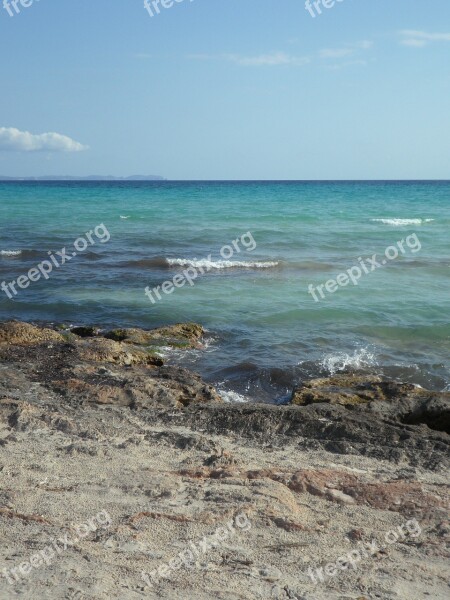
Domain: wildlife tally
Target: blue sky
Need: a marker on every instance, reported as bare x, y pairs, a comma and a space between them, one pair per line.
226, 89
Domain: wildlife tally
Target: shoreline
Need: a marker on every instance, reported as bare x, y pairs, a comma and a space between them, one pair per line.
95, 421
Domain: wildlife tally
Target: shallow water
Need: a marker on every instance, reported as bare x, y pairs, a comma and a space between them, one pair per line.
265, 330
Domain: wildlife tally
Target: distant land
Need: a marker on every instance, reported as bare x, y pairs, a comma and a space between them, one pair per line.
88, 178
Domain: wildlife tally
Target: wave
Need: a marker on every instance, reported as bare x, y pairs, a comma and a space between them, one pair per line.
361, 358
124, 216
232, 397
220, 264
147, 262
90, 255
402, 222
311, 265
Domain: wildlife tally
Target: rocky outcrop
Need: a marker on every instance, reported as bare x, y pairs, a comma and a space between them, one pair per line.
182, 335
386, 400
332, 428
18, 333
349, 390
83, 366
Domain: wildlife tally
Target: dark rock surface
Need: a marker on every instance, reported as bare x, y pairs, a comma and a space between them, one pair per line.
403, 402
328, 427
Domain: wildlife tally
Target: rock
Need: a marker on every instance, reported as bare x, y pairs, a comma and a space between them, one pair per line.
432, 410
356, 535
331, 427
182, 335
349, 390
18, 333
103, 350
85, 332
77, 368
389, 400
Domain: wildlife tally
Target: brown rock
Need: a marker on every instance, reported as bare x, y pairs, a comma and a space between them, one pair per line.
101, 350
349, 390
15, 332
182, 335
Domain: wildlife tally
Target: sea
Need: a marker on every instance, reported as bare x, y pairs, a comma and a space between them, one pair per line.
291, 280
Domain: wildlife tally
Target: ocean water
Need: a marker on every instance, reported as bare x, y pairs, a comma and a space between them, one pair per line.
266, 332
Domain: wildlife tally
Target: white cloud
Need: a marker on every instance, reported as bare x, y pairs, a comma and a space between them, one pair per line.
202, 57
419, 39
350, 63
364, 44
13, 139
335, 52
273, 59
414, 43
347, 50
268, 60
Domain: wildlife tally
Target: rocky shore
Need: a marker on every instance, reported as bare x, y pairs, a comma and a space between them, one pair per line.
135, 462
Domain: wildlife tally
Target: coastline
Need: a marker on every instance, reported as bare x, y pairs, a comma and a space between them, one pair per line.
349, 460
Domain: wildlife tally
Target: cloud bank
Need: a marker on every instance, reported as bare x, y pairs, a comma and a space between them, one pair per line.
273, 59
268, 60
14, 140
419, 39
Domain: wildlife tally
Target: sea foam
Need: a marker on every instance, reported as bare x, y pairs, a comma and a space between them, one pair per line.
232, 397
220, 264
402, 222
341, 361
10, 252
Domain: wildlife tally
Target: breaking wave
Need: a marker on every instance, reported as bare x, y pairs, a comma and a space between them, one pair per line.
220, 264
232, 397
402, 222
361, 358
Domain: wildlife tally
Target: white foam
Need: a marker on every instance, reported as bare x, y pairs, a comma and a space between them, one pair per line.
341, 361
124, 217
402, 222
232, 397
208, 344
220, 264
10, 252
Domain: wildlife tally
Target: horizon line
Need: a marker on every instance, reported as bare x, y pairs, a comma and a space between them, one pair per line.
108, 179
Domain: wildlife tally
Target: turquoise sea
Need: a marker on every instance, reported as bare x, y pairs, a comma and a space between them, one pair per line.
265, 330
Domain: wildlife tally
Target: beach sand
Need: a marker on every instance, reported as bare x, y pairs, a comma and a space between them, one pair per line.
129, 481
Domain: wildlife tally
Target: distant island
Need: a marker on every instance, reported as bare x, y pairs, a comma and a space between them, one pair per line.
88, 178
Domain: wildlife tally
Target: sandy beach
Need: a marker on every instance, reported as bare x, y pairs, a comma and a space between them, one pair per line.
110, 489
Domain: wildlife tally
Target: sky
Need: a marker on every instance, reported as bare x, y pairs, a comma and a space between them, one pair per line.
226, 89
